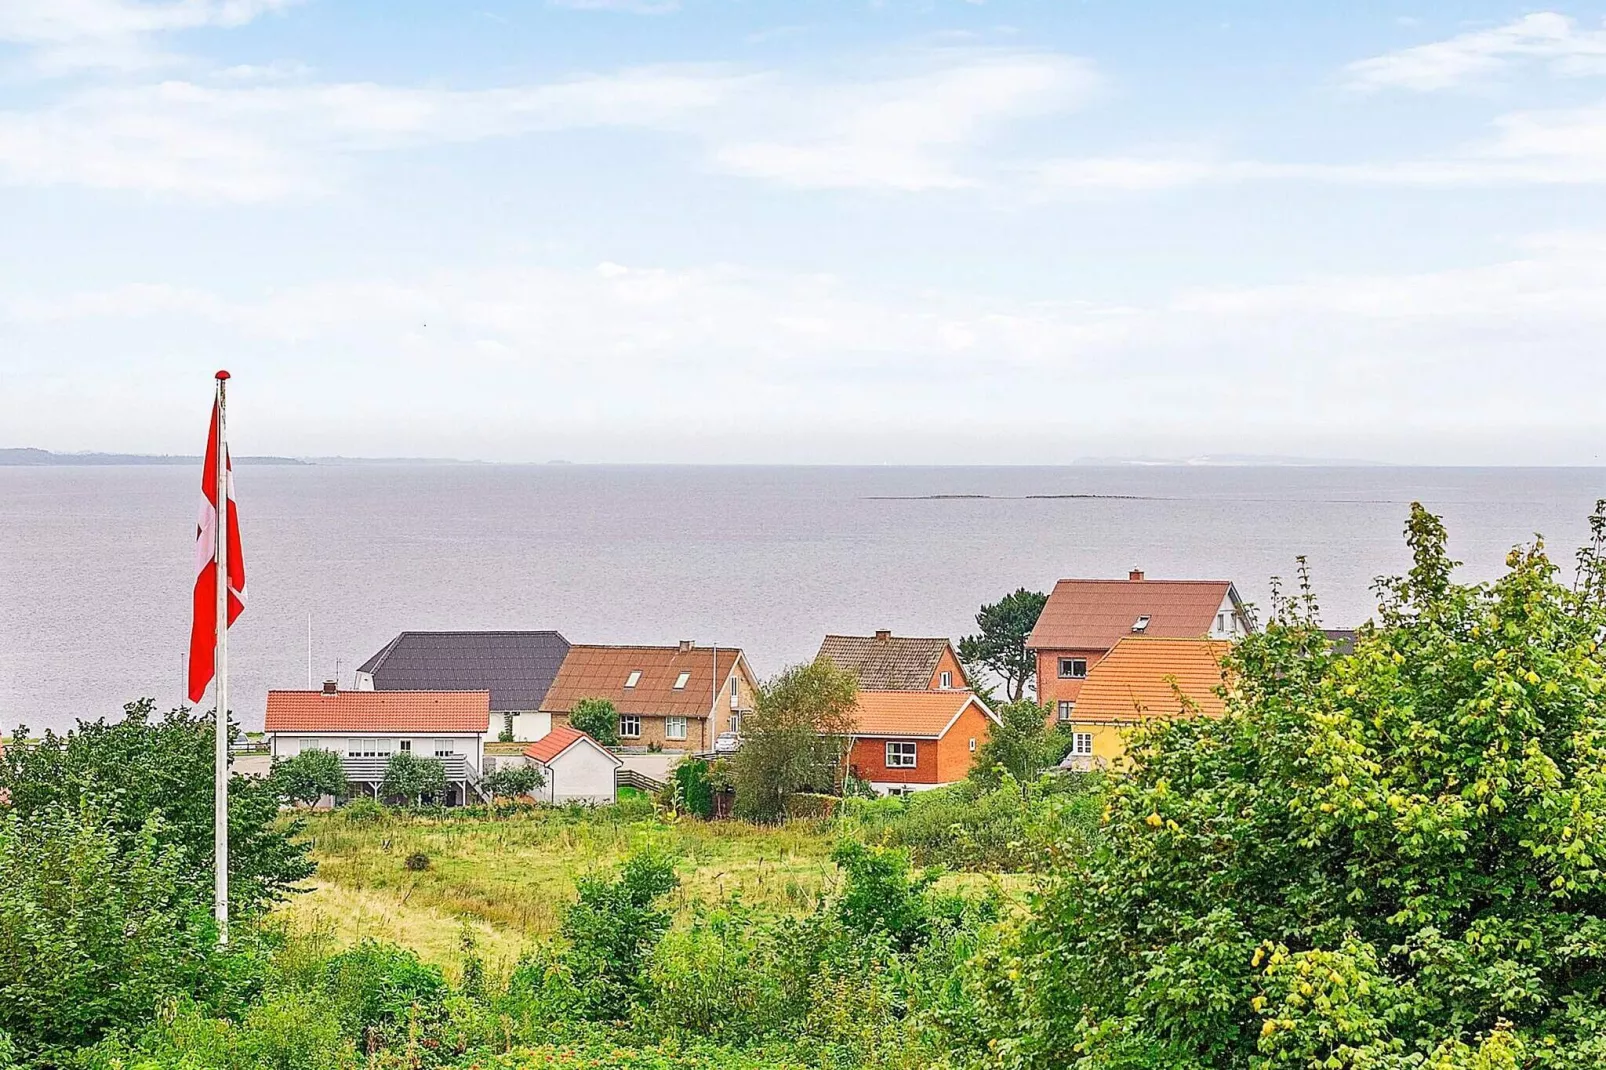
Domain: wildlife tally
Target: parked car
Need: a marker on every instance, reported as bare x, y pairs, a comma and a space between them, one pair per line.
727, 743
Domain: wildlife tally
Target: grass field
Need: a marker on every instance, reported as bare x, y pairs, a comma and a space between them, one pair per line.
508, 879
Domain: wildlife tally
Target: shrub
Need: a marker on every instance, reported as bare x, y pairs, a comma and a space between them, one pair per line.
417, 862
714, 979
409, 776
879, 895
374, 985
597, 718
611, 929
364, 811
807, 804
512, 781
694, 789
795, 738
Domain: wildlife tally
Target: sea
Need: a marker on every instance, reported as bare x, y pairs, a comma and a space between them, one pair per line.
96, 562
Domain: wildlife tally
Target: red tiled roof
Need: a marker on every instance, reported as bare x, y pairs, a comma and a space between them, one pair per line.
378, 711
1134, 680
1095, 614
912, 714
560, 739
603, 671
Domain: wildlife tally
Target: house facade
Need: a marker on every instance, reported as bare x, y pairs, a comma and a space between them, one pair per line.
516, 667
915, 740
677, 698
366, 727
1141, 679
574, 767
887, 662
1083, 621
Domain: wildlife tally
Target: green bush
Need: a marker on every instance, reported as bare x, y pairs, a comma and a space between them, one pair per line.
613, 927
694, 790
375, 985
810, 805
309, 776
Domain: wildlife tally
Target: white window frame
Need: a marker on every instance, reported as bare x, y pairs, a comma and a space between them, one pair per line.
680, 681
973, 746
1141, 625
736, 722
1082, 744
1064, 709
629, 726
1073, 663
674, 728
946, 680
404, 746
633, 679
905, 759
444, 748
735, 698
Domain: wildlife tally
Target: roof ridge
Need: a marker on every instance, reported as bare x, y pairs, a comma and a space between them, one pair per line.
1136, 583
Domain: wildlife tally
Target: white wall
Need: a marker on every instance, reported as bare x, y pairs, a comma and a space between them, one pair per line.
580, 774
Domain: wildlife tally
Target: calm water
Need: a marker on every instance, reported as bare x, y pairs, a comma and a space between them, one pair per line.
95, 562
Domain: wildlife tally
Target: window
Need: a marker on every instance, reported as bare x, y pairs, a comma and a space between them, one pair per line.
1082, 744
674, 728
736, 723
634, 678
947, 679
1073, 668
406, 746
1065, 710
1140, 625
900, 755
443, 748
973, 746
629, 726
680, 681
735, 699
1221, 622
370, 748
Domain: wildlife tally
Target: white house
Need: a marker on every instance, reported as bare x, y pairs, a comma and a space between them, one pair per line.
366, 727
576, 767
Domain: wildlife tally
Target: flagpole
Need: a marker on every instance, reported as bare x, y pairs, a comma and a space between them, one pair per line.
220, 792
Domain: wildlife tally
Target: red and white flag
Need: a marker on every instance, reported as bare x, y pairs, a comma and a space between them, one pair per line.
203, 634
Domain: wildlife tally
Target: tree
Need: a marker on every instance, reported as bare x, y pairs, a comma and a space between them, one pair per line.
597, 718
1021, 744
135, 768
512, 781
1386, 859
1001, 645
309, 776
795, 738
694, 787
99, 927
410, 777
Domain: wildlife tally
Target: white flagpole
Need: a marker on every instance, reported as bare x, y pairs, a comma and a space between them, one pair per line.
220, 812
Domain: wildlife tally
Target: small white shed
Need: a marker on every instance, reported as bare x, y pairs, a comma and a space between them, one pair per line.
576, 767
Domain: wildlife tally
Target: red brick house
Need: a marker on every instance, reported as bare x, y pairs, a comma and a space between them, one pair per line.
913, 740
1084, 619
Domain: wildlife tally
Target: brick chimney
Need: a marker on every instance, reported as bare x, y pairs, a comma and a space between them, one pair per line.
330, 687
685, 646
883, 635
1136, 575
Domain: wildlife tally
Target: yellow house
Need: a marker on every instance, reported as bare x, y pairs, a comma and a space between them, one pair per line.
1142, 679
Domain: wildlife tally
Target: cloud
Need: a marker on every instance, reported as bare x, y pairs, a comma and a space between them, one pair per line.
233, 140
729, 350
71, 35
1544, 37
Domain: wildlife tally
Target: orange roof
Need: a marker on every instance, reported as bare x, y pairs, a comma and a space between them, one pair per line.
1134, 680
378, 711
913, 714
1096, 614
603, 672
560, 739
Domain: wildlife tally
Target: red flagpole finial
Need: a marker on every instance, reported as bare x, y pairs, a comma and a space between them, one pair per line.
221, 375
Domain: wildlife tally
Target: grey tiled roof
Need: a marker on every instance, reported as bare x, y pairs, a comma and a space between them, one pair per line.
517, 668
896, 663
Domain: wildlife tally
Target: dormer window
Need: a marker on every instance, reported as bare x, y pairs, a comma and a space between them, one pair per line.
633, 679
1140, 625
680, 681
946, 681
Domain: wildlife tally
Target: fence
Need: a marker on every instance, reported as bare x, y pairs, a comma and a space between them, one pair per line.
629, 778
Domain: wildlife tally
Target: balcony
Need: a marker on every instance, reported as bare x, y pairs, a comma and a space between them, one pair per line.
372, 770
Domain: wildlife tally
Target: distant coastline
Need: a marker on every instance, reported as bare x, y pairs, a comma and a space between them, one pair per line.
27, 457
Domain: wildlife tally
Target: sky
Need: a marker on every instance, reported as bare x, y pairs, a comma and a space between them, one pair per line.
753, 231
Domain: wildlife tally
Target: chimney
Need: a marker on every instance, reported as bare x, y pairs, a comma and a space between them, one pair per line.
330, 687
883, 635
685, 646
1136, 575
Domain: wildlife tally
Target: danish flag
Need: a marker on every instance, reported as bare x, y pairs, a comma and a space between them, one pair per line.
204, 632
